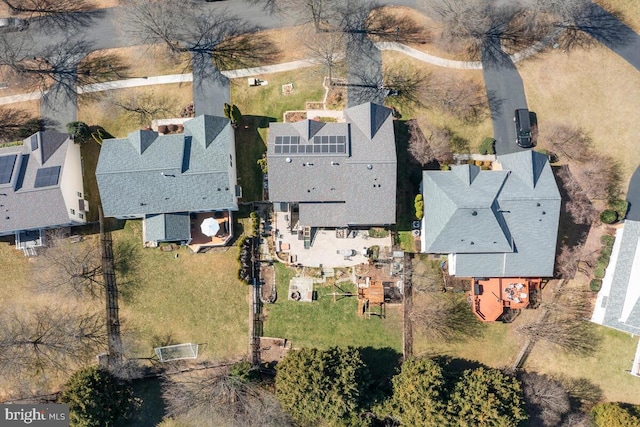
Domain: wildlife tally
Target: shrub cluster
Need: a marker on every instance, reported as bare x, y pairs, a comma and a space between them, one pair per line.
486, 146
418, 203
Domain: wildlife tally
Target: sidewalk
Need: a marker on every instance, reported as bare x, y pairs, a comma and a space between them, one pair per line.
276, 68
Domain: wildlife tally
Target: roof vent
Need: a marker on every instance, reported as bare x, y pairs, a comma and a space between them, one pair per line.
474, 213
369, 166
288, 160
335, 164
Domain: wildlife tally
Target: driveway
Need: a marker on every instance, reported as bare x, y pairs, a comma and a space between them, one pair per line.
211, 89
505, 92
633, 196
615, 35
57, 108
364, 65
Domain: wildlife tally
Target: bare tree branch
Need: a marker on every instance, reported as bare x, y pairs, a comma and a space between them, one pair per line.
65, 15
49, 338
227, 40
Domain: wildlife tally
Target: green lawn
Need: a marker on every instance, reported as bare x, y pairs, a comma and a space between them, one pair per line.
193, 298
250, 146
269, 100
607, 368
324, 323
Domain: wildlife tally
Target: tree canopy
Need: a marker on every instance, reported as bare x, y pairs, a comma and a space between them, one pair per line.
615, 415
97, 398
487, 397
419, 394
314, 384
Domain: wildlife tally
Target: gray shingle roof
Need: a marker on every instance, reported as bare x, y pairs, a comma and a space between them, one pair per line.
622, 309
334, 190
147, 173
171, 227
510, 215
24, 206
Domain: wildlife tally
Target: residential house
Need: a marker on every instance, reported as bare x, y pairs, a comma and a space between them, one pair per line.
493, 223
335, 175
173, 182
618, 302
40, 188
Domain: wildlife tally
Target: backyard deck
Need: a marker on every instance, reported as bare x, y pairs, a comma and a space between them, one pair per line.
200, 240
491, 296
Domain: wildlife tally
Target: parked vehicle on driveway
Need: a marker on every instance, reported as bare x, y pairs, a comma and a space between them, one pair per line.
523, 128
8, 25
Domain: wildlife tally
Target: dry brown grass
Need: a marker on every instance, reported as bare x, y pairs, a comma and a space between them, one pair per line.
287, 42
593, 89
120, 123
630, 10
433, 27
148, 60
472, 132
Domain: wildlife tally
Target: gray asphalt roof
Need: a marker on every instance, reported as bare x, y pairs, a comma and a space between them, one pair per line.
148, 173
622, 309
356, 188
499, 223
171, 227
24, 206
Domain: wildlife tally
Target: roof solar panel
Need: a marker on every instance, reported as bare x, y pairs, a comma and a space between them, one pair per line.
7, 164
46, 177
319, 144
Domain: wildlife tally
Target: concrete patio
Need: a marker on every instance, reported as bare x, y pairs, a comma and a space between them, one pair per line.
327, 250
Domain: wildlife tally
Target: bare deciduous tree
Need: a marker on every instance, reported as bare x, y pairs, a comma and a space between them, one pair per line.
327, 47
565, 325
569, 141
55, 14
217, 397
598, 182
49, 338
364, 18
57, 68
567, 262
145, 106
72, 269
445, 316
464, 99
578, 204
435, 145
482, 29
547, 399
207, 35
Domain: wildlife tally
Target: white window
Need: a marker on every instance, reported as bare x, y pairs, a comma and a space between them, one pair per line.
79, 194
73, 211
81, 216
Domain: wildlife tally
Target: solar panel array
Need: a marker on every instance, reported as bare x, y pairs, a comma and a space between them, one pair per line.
323, 145
6, 168
46, 177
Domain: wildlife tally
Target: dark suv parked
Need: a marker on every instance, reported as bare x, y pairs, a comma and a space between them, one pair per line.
523, 128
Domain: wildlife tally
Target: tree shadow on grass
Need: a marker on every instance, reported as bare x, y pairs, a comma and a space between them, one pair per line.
409, 176
152, 409
382, 364
250, 147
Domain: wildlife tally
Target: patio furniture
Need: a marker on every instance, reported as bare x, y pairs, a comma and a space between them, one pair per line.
519, 286
523, 295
